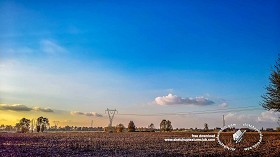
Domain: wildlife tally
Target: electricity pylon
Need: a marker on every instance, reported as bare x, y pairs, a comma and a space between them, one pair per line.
55, 124
111, 114
224, 123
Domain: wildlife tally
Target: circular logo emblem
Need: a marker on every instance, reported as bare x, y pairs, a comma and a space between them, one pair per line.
245, 136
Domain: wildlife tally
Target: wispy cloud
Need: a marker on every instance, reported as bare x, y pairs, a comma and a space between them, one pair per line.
269, 116
223, 105
16, 51
42, 109
46, 46
176, 100
5, 64
93, 114
20, 107
51, 47
233, 117
230, 116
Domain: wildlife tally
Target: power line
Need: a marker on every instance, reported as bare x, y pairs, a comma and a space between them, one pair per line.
196, 112
220, 109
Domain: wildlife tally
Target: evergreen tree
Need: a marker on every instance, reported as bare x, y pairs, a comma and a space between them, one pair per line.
151, 127
206, 127
131, 127
271, 100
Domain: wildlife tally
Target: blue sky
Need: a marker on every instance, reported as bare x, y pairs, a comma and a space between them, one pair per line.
90, 55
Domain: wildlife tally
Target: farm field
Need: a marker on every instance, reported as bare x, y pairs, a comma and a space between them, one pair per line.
128, 144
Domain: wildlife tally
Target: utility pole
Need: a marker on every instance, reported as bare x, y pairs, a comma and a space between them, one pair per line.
32, 125
111, 114
224, 123
91, 123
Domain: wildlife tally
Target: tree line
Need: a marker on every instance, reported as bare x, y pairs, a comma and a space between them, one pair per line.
165, 125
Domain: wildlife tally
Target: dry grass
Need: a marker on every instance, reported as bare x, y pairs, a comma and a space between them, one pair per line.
128, 144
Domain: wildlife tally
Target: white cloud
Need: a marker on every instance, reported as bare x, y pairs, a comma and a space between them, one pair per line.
93, 114
42, 109
76, 113
230, 116
176, 100
51, 47
223, 105
240, 118
269, 116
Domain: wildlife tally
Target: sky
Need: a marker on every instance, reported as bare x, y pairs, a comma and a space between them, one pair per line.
186, 61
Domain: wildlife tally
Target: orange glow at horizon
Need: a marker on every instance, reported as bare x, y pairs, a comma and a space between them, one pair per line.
13, 117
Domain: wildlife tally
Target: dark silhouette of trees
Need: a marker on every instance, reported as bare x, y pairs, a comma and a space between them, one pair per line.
165, 125
131, 126
206, 127
120, 128
271, 99
151, 127
23, 125
42, 123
